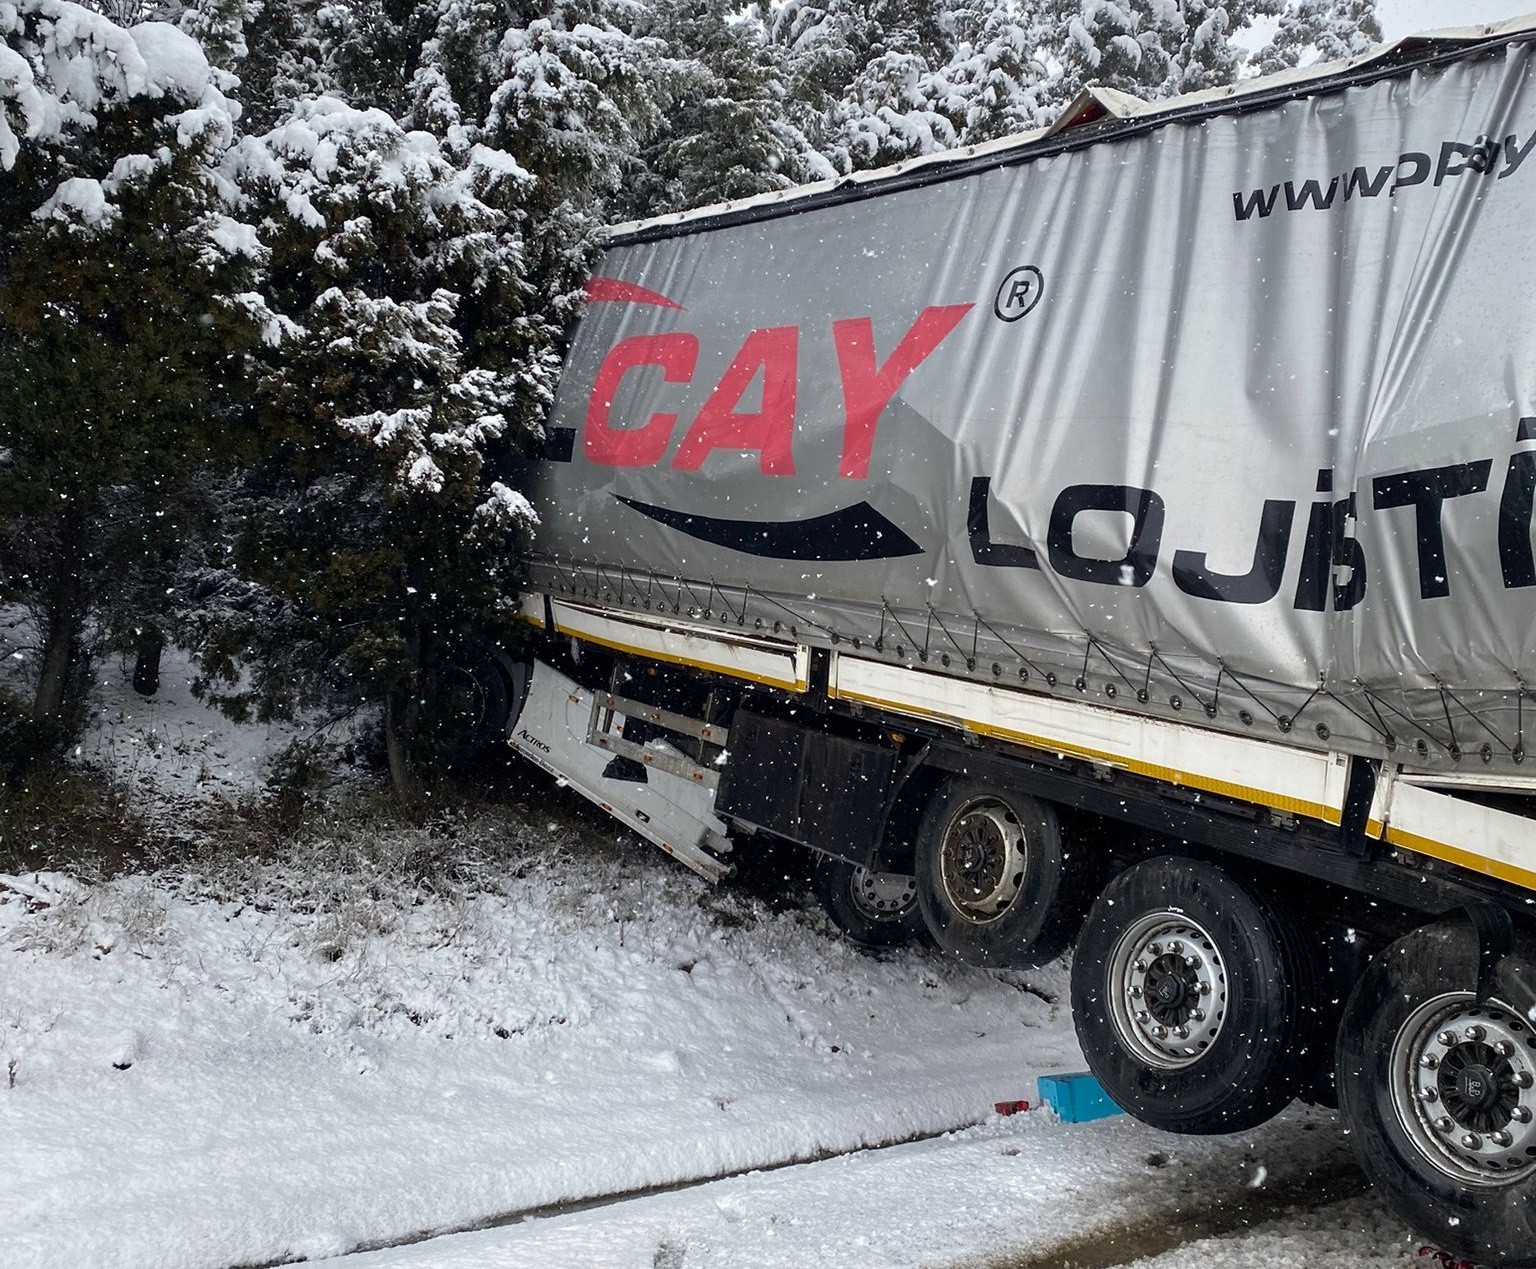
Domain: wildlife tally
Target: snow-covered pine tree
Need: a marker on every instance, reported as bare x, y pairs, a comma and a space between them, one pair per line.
1129, 45
423, 269
285, 59
1312, 31
404, 351
856, 73
1209, 55
1158, 48
120, 272
723, 132
997, 80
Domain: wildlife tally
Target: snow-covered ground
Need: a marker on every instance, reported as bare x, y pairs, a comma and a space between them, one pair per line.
283, 1062
205, 1080
379, 1033
174, 758
1025, 1193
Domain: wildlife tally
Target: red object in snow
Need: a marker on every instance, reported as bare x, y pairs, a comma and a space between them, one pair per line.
1010, 1108
1444, 1259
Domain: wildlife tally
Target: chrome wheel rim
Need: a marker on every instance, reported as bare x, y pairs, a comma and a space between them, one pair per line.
982, 861
1464, 1086
1167, 990
882, 896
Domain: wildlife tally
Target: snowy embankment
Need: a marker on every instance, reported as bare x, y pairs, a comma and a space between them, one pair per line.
376, 1033
340, 1059
197, 1079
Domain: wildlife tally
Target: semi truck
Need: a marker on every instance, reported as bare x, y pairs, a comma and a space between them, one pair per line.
1116, 538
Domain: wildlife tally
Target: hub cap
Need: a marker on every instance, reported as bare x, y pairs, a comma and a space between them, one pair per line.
982, 861
1167, 990
882, 896
1464, 1084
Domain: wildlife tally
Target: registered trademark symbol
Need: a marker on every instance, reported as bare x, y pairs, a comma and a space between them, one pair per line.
1020, 292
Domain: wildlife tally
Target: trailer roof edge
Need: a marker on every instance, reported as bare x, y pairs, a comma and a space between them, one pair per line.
1094, 116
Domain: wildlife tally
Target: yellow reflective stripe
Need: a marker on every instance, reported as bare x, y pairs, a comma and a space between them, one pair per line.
796, 684
1522, 877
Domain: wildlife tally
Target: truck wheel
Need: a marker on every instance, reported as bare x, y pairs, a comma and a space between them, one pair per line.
1439, 1092
874, 909
1187, 996
996, 885
501, 690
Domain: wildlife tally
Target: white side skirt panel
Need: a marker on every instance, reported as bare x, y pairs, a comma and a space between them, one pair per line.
1478, 837
784, 665
673, 812
1290, 780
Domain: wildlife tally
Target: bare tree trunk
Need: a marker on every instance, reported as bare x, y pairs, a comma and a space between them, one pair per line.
401, 711
64, 611
146, 662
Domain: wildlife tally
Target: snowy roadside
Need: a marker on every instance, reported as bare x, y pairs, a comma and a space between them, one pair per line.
1023, 1193
206, 1080
393, 1032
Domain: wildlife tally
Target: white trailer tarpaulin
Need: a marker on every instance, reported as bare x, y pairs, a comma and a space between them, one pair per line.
1228, 409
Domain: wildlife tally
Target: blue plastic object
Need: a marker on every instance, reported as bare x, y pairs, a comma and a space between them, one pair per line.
1077, 1098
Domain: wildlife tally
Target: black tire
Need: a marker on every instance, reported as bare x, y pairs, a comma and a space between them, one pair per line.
871, 909
1416, 993
501, 688
1203, 952
997, 885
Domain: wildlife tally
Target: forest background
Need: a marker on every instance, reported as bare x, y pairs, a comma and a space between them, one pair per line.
284, 282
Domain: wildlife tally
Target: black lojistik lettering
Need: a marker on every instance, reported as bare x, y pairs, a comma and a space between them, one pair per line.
1261, 583
1426, 491
1515, 556
1135, 567
1316, 560
984, 550
1347, 554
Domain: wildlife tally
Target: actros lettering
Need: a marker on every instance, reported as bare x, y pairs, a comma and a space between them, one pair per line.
770, 356
1332, 568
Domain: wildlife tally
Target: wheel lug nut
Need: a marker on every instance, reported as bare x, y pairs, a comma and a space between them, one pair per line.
1190, 962
1143, 1016
1504, 1049
1155, 948
1160, 1031
1429, 1095
1136, 993
1141, 967
1182, 1033
1198, 1015
1521, 1114
1443, 1124
1176, 947
1470, 1140
1500, 1138
1475, 1034
1205, 989
1429, 1062
1523, 1079
1447, 1038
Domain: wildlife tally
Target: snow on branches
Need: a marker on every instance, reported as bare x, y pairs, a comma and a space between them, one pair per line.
62, 66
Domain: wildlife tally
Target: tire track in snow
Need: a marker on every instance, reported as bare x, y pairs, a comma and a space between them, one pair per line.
1191, 1216
570, 1207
